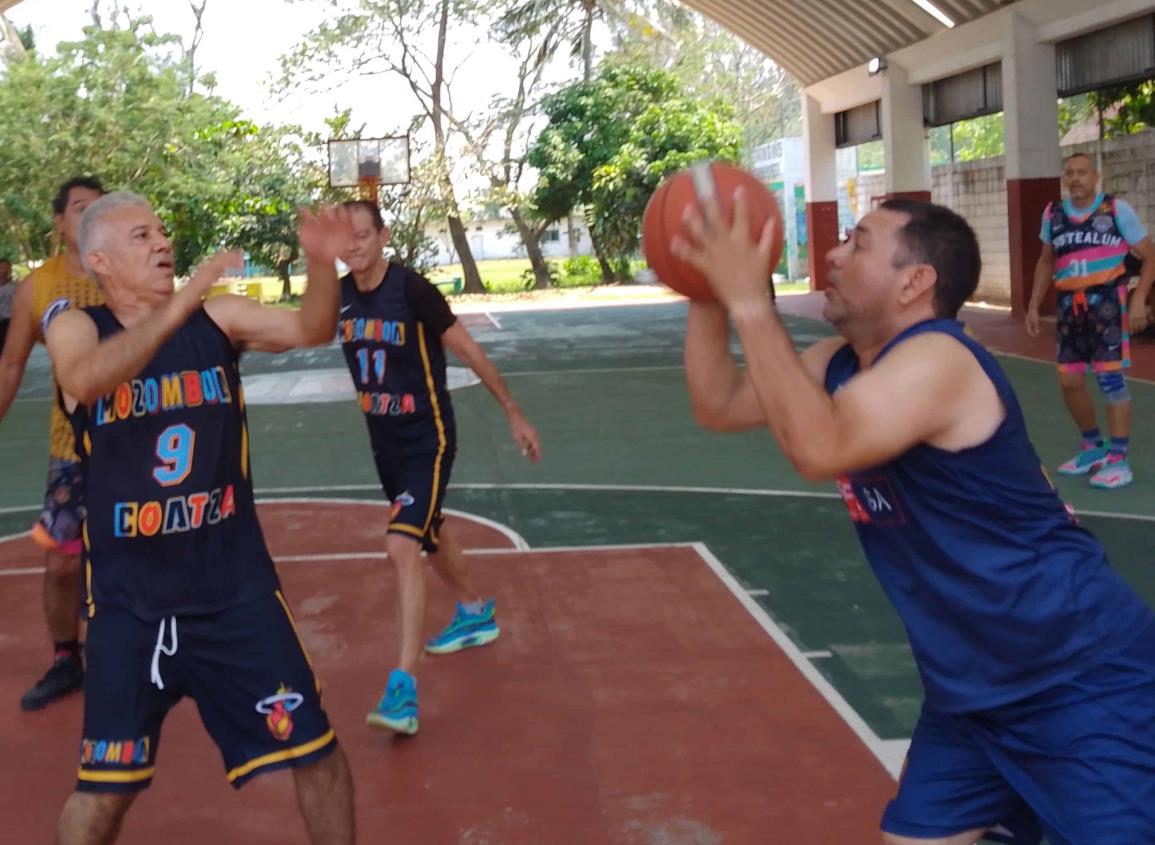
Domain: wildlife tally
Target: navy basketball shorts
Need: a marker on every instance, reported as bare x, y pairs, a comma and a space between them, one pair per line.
1091, 330
246, 669
414, 477
1075, 763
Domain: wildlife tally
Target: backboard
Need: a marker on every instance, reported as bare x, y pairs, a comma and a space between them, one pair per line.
377, 161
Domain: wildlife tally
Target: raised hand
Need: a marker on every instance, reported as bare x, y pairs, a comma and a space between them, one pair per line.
209, 271
326, 235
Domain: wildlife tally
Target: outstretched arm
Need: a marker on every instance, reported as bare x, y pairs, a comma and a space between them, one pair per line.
87, 368
250, 325
21, 338
461, 343
918, 393
721, 394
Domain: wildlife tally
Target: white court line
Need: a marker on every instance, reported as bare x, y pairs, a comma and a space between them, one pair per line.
492, 319
855, 722
757, 593
1051, 364
613, 488
516, 539
593, 371
28, 509
817, 655
889, 752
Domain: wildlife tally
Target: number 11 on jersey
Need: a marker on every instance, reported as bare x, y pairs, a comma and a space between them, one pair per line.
378, 365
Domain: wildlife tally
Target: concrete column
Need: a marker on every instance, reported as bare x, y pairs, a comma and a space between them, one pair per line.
1031, 119
821, 188
904, 137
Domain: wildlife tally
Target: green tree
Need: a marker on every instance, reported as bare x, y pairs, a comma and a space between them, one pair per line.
716, 66
608, 144
117, 104
407, 39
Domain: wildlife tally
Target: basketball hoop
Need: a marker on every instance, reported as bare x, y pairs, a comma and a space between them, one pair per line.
367, 163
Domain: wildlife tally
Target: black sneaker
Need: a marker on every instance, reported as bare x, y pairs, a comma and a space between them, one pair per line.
66, 676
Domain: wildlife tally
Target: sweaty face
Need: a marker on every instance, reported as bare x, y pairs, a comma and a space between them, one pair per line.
863, 277
67, 223
133, 250
368, 242
1080, 178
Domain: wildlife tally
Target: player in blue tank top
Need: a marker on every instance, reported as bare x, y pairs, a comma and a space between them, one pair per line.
1037, 660
394, 328
183, 598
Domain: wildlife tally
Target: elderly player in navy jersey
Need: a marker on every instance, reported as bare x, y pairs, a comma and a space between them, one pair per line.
182, 596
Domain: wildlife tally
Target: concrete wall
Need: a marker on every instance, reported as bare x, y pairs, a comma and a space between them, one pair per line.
978, 191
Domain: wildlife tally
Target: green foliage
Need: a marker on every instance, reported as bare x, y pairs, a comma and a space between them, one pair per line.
715, 66
117, 105
974, 139
610, 141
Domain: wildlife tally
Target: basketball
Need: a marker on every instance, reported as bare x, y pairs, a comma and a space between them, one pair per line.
663, 220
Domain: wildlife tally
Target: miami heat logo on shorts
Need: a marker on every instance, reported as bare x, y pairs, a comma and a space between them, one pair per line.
400, 503
277, 710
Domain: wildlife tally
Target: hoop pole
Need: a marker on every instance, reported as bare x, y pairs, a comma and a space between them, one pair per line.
369, 186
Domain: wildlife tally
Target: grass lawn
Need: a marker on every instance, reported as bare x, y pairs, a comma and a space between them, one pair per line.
500, 275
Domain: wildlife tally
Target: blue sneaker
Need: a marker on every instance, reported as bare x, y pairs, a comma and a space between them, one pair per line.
397, 709
1088, 460
466, 631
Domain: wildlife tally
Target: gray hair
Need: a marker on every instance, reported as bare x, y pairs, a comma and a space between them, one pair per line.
91, 231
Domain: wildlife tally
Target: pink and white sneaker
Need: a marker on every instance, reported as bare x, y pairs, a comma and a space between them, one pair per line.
1116, 472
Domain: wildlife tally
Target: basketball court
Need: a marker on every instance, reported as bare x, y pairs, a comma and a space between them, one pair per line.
693, 648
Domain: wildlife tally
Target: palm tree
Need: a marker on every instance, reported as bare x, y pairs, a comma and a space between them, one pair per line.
560, 22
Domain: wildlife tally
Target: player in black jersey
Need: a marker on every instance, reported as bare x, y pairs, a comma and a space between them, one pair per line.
394, 328
182, 595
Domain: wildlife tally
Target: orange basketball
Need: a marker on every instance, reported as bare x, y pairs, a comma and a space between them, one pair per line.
663, 220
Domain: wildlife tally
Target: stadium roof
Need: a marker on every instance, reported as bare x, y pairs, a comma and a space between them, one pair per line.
813, 40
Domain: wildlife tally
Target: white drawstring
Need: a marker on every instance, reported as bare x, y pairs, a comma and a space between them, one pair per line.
161, 649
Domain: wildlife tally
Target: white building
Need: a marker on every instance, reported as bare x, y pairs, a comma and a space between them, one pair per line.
498, 238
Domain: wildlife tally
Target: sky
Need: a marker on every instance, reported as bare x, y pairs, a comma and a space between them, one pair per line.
243, 40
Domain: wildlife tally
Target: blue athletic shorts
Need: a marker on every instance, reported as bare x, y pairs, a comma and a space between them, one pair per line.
1075, 763
246, 669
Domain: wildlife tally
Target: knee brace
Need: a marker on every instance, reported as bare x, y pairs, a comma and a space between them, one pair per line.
1114, 387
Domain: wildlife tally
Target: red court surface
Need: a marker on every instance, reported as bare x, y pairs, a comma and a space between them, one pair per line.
631, 699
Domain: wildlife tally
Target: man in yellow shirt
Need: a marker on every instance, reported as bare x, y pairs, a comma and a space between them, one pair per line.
58, 530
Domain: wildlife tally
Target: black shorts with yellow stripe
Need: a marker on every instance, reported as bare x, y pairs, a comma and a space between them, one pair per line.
414, 477
246, 669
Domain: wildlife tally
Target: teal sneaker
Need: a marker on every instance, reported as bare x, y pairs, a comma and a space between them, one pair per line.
397, 709
1088, 460
467, 630
1116, 472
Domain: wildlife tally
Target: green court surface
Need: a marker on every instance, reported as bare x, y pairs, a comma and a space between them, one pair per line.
624, 463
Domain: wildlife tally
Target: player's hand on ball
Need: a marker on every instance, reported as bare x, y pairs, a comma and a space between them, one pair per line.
737, 266
525, 436
326, 235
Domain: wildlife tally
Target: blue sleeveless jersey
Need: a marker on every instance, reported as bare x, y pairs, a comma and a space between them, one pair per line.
396, 360
1001, 592
172, 527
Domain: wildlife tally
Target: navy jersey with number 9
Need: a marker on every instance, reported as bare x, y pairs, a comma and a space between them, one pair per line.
172, 526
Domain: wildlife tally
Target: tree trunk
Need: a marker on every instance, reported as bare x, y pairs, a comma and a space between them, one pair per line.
603, 262
571, 235
588, 41
472, 278
541, 277
286, 281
